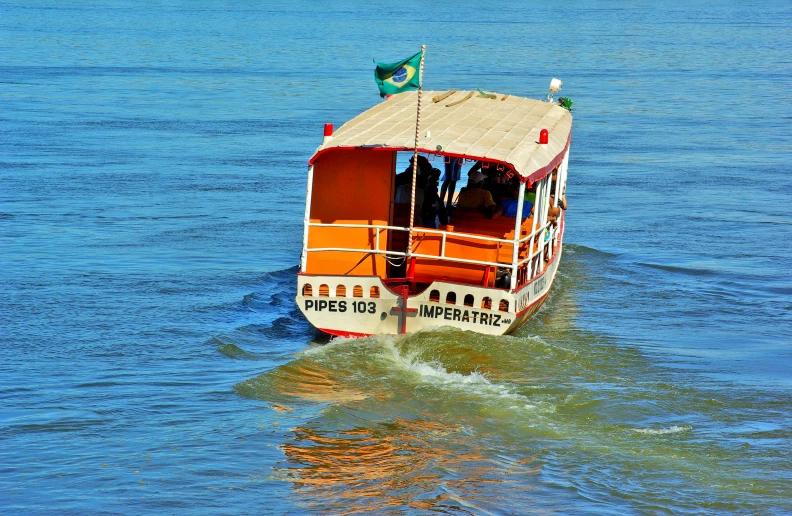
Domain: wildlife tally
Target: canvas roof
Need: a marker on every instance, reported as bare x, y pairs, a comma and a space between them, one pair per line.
504, 130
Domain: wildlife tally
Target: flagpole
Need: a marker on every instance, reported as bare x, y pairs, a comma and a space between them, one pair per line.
415, 158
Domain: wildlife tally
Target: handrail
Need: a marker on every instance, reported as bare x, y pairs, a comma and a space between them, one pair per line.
444, 234
464, 235
462, 260
352, 250
362, 226
417, 229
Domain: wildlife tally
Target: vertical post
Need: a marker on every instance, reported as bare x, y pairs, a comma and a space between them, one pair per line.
562, 176
543, 219
517, 235
534, 221
563, 170
415, 154
553, 230
306, 219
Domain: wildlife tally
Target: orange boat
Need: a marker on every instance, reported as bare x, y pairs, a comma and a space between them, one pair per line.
368, 268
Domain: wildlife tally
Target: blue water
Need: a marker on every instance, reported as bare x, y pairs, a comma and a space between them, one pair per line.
152, 173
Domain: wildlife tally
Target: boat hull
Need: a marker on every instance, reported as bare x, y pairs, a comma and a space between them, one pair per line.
390, 313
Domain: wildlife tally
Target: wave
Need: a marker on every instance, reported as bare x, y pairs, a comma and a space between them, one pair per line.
690, 271
675, 429
235, 352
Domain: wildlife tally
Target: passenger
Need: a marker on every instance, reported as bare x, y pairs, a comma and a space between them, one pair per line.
403, 197
562, 202
530, 193
497, 184
510, 205
474, 197
485, 168
424, 169
554, 180
553, 211
431, 202
453, 173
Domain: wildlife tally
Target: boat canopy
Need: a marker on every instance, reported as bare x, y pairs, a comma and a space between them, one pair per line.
495, 128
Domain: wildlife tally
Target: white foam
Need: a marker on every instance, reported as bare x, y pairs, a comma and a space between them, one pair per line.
435, 374
659, 431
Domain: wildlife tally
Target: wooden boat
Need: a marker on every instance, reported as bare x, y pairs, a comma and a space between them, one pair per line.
358, 277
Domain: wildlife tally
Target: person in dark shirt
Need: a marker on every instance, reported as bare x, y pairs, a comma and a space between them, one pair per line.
476, 198
431, 201
424, 170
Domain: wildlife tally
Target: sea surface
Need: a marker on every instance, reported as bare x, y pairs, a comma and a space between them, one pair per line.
153, 159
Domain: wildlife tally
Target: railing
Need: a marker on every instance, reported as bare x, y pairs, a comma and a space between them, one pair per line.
444, 235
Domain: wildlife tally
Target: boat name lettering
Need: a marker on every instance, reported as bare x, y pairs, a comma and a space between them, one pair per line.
332, 305
455, 314
539, 284
324, 304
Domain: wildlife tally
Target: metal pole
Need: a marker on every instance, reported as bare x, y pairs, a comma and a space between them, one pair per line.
517, 226
306, 219
543, 217
552, 230
415, 154
534, 221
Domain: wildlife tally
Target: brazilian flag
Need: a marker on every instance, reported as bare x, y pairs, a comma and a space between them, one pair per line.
398, 77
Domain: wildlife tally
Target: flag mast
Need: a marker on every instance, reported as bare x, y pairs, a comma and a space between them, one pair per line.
415, 160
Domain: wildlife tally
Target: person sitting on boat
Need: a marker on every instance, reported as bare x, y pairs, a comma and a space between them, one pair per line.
432, 202
510, 204
530, 193
424, 169
554, 211
475, 198
403, 197
553, 182
497, 184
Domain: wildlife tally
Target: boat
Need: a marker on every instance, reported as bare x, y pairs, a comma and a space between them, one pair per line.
368, 268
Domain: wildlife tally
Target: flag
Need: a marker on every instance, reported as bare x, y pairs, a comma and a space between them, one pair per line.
398, 77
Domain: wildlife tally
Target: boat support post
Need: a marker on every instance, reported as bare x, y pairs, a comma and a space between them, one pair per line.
544, 187
517, 235
306, 219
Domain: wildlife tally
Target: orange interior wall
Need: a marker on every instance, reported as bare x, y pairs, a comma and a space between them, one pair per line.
353, 186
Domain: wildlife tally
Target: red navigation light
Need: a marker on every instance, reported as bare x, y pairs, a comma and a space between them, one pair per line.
544, 136
328, 130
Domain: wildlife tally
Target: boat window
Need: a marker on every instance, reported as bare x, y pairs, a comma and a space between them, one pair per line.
434, 296
486, 303
374, 292
451, 298
469, 300
503, 306
307, 290
324, 291
357, 291
340, 291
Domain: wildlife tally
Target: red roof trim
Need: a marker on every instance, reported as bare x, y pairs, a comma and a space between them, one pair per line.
532, 178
